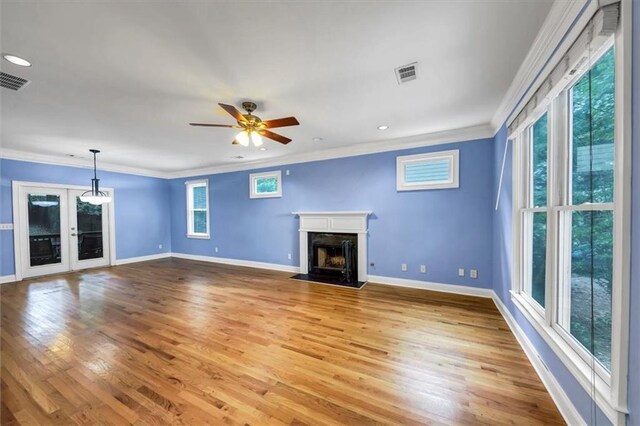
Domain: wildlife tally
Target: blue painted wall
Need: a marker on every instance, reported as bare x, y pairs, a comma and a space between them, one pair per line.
444, 229
503, 261
141, 206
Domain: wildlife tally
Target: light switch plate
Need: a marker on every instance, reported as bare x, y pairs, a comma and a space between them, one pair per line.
6, 226
461, 272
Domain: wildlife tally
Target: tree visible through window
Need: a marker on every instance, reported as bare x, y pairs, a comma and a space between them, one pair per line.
592, 182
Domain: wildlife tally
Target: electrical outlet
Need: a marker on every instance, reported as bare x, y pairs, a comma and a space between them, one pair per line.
160, 246
461, 272
423, 268
289, 256
404, 267
473, 273
215, 249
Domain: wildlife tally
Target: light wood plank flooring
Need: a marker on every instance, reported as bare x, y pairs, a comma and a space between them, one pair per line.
176, 341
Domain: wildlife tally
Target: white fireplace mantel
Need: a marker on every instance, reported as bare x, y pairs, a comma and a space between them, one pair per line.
346, 222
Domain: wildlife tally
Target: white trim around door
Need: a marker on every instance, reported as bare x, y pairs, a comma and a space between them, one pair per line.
18, 231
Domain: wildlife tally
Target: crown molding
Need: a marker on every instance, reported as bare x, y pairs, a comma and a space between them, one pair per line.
85, 163
466, 134
544, 53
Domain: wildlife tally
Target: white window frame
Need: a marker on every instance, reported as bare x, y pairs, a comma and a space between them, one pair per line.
453, 156
611, 387
527, 209
253, 182
190, 185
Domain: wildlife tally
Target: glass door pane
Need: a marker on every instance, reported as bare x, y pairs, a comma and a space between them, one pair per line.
44, 229
43, 241
89, 219
89, 230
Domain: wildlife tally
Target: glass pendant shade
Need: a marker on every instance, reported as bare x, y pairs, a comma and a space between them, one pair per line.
96, 200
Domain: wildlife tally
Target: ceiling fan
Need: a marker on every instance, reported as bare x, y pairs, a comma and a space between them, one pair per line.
252, 126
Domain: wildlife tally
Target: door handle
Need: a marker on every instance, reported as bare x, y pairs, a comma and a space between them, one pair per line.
74, 234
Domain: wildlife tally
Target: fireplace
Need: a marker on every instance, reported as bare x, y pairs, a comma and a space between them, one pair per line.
333, 247
334, 255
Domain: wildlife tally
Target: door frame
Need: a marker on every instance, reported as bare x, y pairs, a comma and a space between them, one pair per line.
17, 226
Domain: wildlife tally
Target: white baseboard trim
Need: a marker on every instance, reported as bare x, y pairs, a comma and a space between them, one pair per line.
562, 401
4, 279
426, 285
142, 258
238, 262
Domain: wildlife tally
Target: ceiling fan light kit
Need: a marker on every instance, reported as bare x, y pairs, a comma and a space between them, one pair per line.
253, 128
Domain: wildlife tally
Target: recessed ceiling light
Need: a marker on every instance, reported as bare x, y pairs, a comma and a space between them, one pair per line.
16, 60
383, 127
317, 139
263, 149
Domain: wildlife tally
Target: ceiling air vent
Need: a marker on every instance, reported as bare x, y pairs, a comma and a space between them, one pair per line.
12, 82
407, 73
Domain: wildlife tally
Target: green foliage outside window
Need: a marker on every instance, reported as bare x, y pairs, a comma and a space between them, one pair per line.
266, 185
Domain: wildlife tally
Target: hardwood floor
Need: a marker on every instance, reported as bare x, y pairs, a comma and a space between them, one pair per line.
176, 341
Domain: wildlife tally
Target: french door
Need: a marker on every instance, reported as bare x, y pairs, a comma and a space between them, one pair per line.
60, 233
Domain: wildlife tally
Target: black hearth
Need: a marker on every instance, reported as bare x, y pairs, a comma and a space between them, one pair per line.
333, 259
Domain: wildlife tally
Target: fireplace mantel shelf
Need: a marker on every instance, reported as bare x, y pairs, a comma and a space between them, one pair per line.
340, 213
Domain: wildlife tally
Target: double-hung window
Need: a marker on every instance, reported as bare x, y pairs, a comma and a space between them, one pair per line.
570, 186
197, 209
534, 212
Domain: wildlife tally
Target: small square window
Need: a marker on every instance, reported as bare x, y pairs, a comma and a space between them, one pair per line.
265, 185
434, 170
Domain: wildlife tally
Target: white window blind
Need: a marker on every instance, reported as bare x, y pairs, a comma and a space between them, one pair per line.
599, 29
436, 170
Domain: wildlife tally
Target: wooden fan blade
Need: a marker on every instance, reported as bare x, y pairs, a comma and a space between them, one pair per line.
281, 122
276, 137
235, 142
233, 111
212, 125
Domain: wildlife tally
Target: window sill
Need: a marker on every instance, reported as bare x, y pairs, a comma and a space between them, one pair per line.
578, 368
275, 195
199, 236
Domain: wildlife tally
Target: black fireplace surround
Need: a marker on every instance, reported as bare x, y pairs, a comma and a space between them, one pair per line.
334, 256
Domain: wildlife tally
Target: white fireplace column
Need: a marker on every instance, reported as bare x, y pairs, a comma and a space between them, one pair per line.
353, 222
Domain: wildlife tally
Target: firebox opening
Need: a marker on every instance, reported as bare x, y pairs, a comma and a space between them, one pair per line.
334, 256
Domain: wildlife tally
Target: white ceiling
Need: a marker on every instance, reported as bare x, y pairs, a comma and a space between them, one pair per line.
127, 77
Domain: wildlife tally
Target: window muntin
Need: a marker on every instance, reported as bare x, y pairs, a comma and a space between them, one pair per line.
436, 170
265, 185
197, 209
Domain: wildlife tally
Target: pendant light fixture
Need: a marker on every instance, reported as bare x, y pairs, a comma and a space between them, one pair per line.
95, 196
